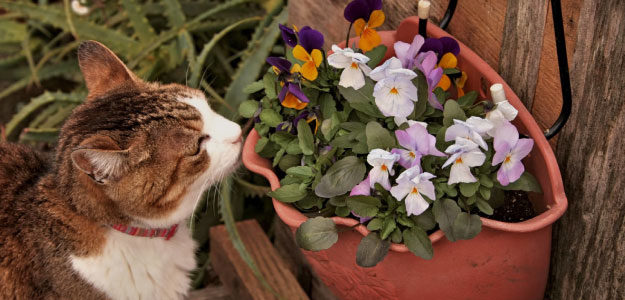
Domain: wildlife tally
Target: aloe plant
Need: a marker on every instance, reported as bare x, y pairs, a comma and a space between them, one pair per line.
159, 40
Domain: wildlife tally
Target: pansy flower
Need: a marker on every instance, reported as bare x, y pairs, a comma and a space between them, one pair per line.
365, 15
509, 151
353, 65
448, 61
291, 94
310, 41
416, 142
426, 63
464, 155
382, 163
441, 46
473, 129
364, 189
288, 35
407, 53
502, 113
394, 91
413, 185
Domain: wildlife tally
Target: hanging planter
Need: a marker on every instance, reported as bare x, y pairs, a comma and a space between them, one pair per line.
504, 261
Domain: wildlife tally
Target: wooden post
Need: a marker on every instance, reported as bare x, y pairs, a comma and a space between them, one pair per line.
588, 260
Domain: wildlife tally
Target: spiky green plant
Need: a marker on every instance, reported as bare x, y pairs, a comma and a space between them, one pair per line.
164, 40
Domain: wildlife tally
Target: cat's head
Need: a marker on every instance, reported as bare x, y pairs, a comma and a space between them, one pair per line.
143, 150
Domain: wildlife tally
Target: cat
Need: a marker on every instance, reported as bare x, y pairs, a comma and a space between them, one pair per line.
105, 217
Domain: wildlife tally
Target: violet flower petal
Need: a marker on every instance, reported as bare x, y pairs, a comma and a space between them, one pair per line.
288, 35
450, 45
432, 44
310, 39
282, 64
283, 92
297, 92
357, 9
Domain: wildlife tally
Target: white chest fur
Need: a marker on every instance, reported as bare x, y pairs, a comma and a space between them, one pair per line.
132, 267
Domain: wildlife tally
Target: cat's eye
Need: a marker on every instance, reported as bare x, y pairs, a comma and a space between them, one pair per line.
200, 141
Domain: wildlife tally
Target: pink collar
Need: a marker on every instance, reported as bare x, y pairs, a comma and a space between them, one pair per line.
166, 233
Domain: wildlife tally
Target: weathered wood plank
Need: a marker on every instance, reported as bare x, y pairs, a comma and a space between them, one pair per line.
548, 96
521, 47
588, 260
210, 293
238, 277
285, 244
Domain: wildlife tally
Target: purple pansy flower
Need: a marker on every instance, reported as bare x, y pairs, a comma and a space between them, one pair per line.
288, 35
361, 9
509, 151
417, 142
310, 39
426, 63
363, 188
407, 53
441, 46
282, 67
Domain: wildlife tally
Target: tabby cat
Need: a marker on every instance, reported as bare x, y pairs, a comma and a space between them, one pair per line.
105, 218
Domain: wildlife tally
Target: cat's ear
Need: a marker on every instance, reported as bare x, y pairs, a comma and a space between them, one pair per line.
101, 158
103, 70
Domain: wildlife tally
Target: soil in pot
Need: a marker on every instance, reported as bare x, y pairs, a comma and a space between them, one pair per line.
516, 208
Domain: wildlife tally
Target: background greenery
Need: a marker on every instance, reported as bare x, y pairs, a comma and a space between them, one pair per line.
218, 46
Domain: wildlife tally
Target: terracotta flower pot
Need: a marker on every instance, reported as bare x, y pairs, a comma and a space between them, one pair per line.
505, 261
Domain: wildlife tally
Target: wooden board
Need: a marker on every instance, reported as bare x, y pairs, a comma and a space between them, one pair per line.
588, 260
235, 274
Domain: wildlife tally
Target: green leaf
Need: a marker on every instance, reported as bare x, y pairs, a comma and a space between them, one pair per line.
338, 201
405, 220
388, 226
376, 55
378, 136
342, 211
371, 250
468, 189
364, 206
248, 108
305, 137
270, 117
330, 126
301, 171
468, 99
253, 60
317, 234
362, 99
12, 31
288, 193
269, 82
527, 182
486, 181
396, 236
293, 147
136, 15
484, 207
327, 105
254, 87
341, 177
485, 192
418, 242
374, 224
261, 144
445, 212
452, 111
425, 220
288, 161
451, 71
466, 226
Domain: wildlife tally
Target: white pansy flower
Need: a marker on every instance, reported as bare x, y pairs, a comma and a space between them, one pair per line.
473, 129
413, 185
354, 66
500, 115
464, 155
382, 163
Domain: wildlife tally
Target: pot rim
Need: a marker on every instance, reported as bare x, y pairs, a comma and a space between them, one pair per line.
294, 218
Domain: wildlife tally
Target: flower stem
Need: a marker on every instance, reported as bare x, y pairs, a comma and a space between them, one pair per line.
347, 38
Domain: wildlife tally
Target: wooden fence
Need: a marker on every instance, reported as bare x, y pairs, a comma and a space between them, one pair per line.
516, 38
